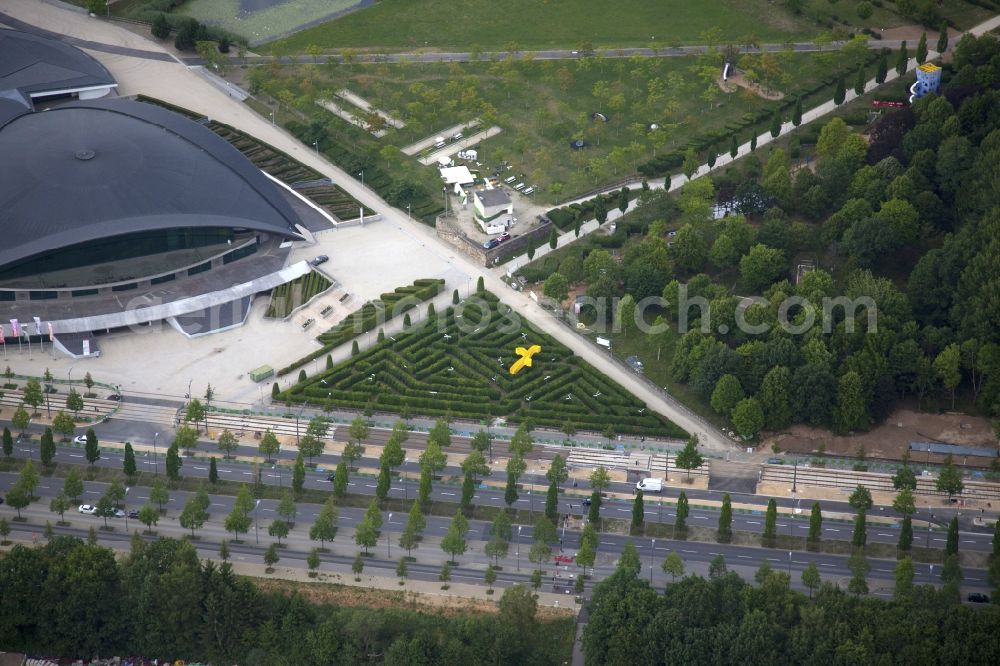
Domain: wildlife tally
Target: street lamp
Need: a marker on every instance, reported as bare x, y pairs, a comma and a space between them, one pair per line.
407, 212
297, 417
652, 557
155, 465
316, 146
929, 528
362, 174
272, 117
278, 469
125, 507
517, 548
388, 539
256, 533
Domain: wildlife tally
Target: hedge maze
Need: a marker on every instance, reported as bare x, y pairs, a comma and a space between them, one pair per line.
456, 364
371, 314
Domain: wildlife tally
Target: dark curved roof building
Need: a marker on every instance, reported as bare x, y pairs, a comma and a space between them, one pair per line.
34, 68
95, 173
115, 213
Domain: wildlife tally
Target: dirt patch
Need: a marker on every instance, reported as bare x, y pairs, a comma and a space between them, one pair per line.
737, 80
891, 439
911, 33
423, 597
360, 597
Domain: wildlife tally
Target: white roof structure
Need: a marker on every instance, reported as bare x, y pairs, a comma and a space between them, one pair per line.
458, 174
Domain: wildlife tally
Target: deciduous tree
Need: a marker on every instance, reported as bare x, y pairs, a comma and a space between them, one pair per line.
324, 527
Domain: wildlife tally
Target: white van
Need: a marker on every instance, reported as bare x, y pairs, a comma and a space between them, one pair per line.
650, 485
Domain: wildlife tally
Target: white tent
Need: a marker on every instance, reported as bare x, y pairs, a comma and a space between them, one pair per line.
459, 174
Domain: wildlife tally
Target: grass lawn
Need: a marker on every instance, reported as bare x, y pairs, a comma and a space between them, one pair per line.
659, 371
543, 105
536, 24
280, 18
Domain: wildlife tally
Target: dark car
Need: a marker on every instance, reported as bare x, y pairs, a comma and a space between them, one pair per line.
330, 477
321, 259
490, 244
114, 396
586, 501
979, 598
133, 513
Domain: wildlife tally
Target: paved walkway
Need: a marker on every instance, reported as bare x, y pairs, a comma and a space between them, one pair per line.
88, 44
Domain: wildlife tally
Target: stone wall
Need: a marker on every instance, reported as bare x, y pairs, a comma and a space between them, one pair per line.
449, 231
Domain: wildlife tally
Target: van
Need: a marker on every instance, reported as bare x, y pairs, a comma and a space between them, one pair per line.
604, 342
650, 485
439, 144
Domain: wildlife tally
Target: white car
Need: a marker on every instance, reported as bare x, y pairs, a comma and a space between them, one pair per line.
119, 513
88, 509
80, 439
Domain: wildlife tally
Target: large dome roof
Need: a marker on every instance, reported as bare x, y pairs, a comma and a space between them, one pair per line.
106, 168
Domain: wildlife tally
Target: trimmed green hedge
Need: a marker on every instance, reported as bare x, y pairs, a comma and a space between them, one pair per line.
367, 317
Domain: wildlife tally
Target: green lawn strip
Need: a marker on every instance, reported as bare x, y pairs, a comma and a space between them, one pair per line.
457, 364
482, 25
288, 296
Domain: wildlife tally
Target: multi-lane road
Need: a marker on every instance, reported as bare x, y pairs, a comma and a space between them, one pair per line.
659, 508
429, 557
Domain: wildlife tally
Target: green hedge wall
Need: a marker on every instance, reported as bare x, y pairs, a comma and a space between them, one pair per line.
456, 363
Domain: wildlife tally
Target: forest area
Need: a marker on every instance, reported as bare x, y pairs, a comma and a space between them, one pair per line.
904, 224
70, 598
726, 620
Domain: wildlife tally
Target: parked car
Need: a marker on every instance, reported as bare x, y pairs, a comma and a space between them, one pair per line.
979, 598
80, 439
134, 514
775, 461
490, 244
321, 259
115, 397
88, 509
503, 237
119, 513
